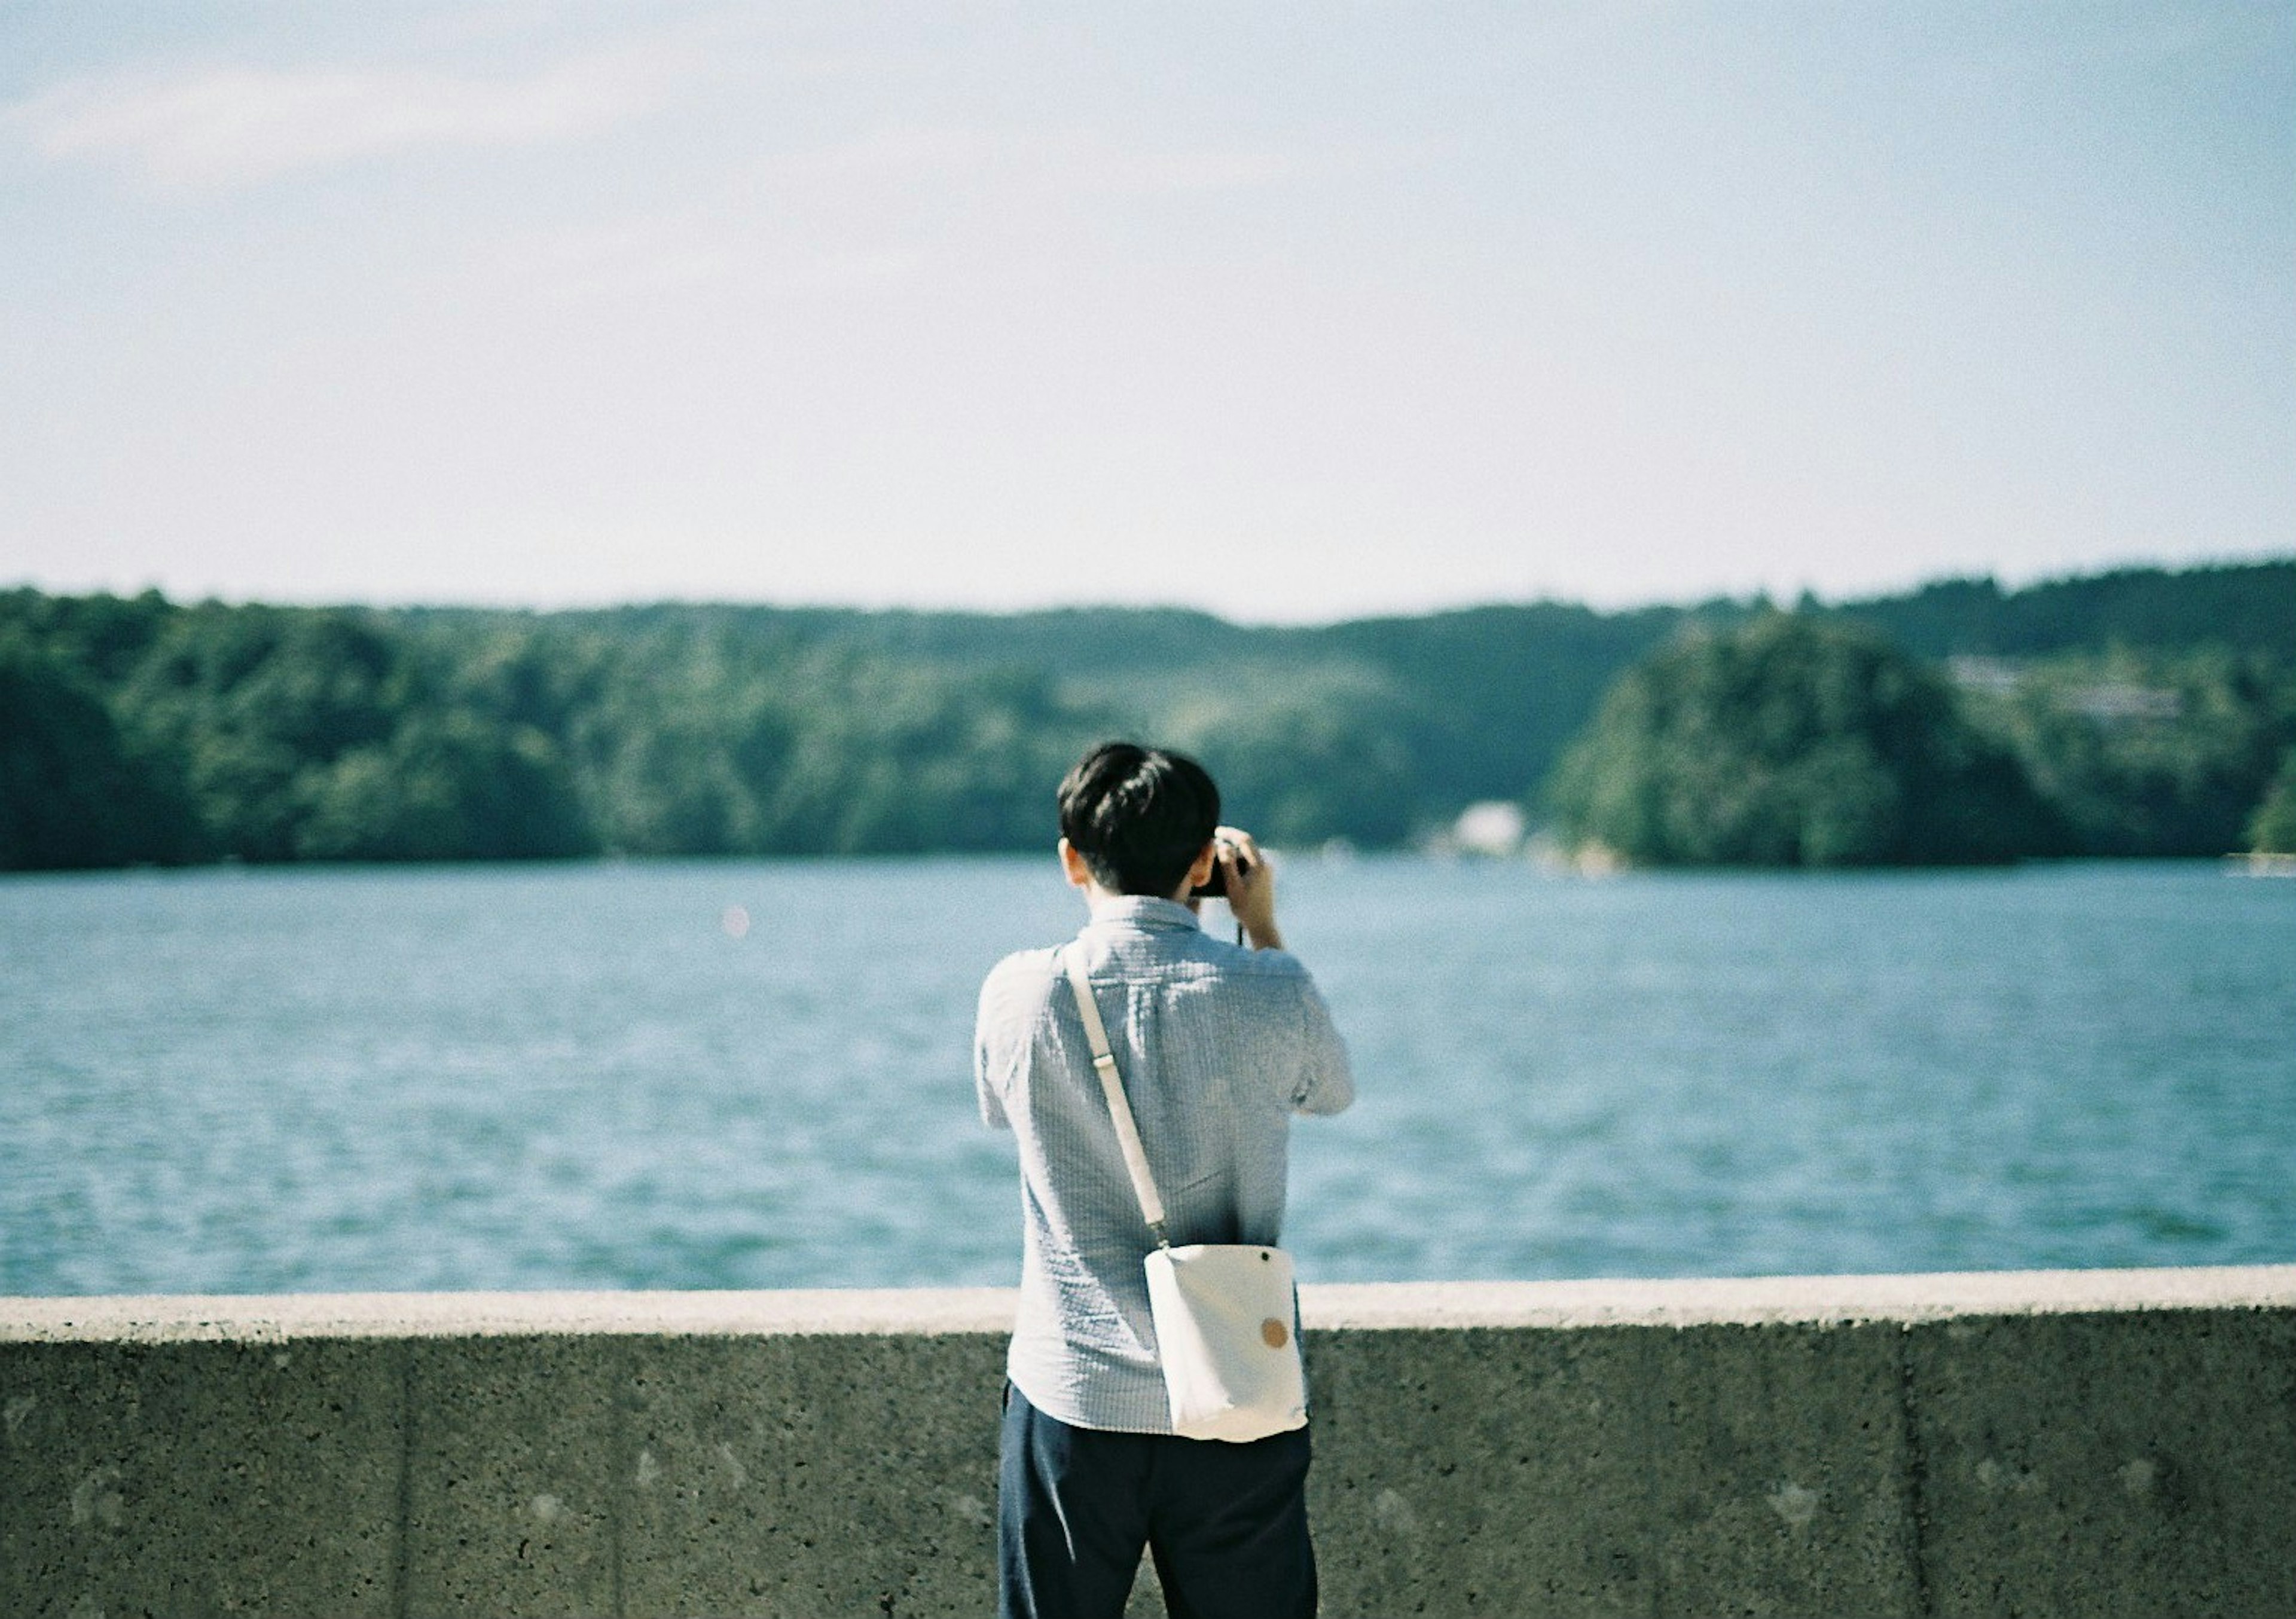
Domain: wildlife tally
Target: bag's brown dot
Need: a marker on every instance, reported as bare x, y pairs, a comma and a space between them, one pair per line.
1274, 1333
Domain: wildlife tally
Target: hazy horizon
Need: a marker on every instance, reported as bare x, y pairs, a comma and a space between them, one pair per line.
1682, 602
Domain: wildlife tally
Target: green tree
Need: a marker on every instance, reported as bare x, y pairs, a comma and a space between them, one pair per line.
1792, 741
2271, 830
1305, 759
74, 791
253, 700
444, 787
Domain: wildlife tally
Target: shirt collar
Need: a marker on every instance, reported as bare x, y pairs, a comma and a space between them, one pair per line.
1142, 911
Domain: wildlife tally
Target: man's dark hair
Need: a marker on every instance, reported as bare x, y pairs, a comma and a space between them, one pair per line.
1138, 815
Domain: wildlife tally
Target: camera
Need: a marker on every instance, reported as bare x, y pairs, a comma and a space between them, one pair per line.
1216, 888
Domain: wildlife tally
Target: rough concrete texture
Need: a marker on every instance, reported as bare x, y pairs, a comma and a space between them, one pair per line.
2088, 1443
1631, 1471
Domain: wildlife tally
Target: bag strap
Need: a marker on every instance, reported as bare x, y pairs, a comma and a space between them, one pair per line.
1111, 1086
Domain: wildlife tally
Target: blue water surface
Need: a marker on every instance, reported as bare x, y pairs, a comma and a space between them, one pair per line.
595, 1076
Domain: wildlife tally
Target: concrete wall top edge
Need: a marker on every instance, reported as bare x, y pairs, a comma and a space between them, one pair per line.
1386, 1306
1691, 1301
278, 1317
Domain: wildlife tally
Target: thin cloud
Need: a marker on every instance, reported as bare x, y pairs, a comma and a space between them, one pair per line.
225, 127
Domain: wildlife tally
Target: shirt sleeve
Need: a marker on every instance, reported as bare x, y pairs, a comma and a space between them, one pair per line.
1326, 1083
997, 1025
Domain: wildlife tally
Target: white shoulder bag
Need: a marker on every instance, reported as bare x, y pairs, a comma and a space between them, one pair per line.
1225, 1313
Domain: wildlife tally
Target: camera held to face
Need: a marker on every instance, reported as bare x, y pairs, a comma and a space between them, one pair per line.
1216, 886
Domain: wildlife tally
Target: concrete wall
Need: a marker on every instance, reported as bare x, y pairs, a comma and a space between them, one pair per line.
2090, 1444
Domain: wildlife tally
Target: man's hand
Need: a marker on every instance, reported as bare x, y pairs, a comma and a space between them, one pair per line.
1250, 887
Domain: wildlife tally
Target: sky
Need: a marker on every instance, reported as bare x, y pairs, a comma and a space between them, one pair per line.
1292, 313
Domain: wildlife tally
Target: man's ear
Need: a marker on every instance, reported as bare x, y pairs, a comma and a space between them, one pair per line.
1073, 867
1200, 873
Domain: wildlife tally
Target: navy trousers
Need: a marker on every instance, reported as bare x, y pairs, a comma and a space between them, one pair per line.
1228, 1524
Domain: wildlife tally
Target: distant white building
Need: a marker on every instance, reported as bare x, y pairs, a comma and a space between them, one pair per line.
1997, 676
2120, 699
2107, 702
1494, 827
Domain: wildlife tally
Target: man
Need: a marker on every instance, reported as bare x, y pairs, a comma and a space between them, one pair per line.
1218, 1044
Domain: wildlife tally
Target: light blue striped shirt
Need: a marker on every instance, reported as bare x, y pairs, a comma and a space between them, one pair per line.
1219, 1046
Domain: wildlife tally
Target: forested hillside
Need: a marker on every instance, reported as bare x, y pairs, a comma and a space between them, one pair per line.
2151, 708
1794, 739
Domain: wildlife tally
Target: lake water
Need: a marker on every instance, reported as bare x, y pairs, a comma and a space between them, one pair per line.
580, 1077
